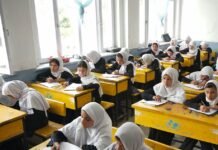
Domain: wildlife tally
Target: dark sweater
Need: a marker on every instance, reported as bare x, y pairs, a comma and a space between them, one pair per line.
100, 66
129, 69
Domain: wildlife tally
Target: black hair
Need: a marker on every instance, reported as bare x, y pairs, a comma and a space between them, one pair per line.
170, 50
120, 55
211, 85
54, 60
155, 44
82, 64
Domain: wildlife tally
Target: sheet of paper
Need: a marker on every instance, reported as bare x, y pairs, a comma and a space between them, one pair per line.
65, 146
193, 86
153, 103
72, 87
50, 85
211, 112
110, 76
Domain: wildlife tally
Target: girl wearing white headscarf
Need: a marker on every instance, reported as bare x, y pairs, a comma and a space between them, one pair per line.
92, 129
169, 88
204, 102
88, 81
129, 56
199, 78
171, 54
97, 61
8, 101
185, 44
56, 73
31, 102
154, 50
205, 47
129, 137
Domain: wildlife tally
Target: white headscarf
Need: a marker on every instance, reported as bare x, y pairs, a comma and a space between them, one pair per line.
2, 81
173, 42
61, 69
122, 69
98, 135
88, 79
204, 44
215, 101
158, 50
126, 50
175, 92
28, 97
173, 48
131, 136
148, 58
194, 50
184, 44
94, 56
206, 71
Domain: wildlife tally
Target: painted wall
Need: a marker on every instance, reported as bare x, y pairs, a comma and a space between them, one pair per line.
199, 20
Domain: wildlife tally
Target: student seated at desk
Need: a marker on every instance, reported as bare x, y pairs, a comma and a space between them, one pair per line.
154, 50
185, 44
129, 136
204, 47
171, 54
150, 62
31, 102
199, 78
90, 131
173, 43
56, 73
203, 102
97, 62
130, 56
169, 88
193, 51
88, 81
124, 67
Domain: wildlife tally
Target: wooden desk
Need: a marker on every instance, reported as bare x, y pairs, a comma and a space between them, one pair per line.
177, 119
203, 55
73, 99
171, 63
11, 123
41, 146
144, 75
188, 61
191, 93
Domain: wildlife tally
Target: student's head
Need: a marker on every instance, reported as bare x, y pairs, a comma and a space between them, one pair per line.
169, 52
211, 90
129, 137
93, 115
206, 73
83, 69
93, 56
121, 58
204, 45
192, 45
173, 42
188, 39
13, 89
54, 64
170, 77
147, 59
154, 46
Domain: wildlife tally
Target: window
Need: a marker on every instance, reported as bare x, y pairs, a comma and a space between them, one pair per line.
63, 30
161, 18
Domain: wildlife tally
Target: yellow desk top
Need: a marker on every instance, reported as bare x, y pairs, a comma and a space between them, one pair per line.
187, 56
41, 146
169, 62
179, 111
8, 114
101, 77
60, 89
189, 90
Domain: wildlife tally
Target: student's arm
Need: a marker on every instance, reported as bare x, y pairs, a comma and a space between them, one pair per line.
43, 76
179, 57
163, 55
154, 65
100, 66
148, 94
185, 51
195, 102
129, 71
75, 79
91, 86
113, 68
186, 80
67, 76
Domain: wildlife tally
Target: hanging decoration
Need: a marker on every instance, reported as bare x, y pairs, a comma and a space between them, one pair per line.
82, 5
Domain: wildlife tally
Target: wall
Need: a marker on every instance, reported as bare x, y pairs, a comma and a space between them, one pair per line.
199, 20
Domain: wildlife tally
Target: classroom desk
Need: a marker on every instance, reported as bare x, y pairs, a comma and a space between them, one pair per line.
41, 146
11, 123
144, 75
203, 55
73, 99
188, 60
191, 93
171, 63
215, 77
177, 119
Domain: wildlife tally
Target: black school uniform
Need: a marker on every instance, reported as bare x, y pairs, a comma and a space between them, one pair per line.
151, 52
189, 143
206, 62
99, 66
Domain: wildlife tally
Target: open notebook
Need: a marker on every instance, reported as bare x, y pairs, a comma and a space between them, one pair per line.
72, 87
152, 102
50, 85
65, 146
193, 86
211, 112
110, 76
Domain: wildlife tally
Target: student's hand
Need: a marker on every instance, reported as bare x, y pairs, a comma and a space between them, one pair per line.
56, 146
59, 80
65, 84
157, 98
137, 65
79, 88
116, 72
49, 80
204, 108
201, 84
194, 82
